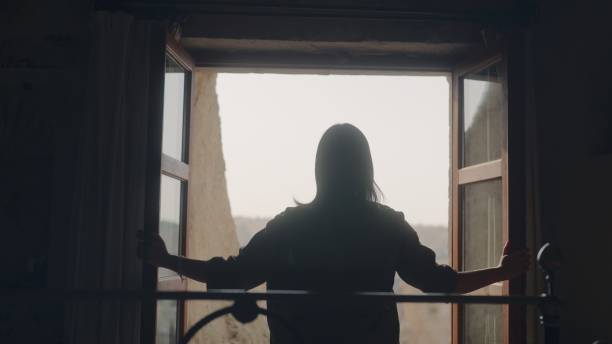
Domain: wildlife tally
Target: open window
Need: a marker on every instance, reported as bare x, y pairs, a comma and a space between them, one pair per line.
487, 195
485, 128
174, 180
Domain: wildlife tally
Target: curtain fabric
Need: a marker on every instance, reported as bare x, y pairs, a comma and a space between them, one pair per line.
109, 204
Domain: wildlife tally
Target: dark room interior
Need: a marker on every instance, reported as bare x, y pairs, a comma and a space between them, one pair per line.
85, 152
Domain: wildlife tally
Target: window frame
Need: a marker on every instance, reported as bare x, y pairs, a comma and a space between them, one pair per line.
510, 55
179, 170
461, 176
514, 174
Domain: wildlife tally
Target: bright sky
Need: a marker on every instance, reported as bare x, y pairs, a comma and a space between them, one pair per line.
271, 125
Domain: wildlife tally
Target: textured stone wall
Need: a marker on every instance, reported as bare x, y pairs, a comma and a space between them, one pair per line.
210, 227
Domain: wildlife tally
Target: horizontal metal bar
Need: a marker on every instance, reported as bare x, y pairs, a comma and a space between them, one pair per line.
286, 295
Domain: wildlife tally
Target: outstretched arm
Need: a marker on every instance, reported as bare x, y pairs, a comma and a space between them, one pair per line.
417, 266
248, 269
511, 265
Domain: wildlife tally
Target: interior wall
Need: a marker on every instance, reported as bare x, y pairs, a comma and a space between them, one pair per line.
43, 57
210, 227
572, 54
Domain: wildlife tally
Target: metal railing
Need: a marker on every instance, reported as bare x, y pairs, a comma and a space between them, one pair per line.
245, 308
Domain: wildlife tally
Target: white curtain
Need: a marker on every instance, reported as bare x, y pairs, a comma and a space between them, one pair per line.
109, 204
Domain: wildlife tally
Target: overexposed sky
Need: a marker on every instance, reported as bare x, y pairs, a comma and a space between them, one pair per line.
271, 125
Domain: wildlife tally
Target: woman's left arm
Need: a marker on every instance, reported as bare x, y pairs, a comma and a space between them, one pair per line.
511, 265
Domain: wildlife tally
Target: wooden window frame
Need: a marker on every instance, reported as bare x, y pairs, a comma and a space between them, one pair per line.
510, 55
513, 174
460, 176
179, 170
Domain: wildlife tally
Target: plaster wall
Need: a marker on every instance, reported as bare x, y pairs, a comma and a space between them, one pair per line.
210, 226
572, 53
43, 56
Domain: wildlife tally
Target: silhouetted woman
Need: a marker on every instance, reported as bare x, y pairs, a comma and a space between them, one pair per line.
342, 241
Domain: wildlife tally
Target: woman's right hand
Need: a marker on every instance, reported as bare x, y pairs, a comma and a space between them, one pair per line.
152, 249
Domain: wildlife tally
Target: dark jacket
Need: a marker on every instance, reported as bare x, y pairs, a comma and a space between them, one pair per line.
341, 249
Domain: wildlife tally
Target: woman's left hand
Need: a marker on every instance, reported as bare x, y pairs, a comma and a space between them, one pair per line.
514, 264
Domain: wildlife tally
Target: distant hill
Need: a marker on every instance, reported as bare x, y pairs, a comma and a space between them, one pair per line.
435, 237
246, 227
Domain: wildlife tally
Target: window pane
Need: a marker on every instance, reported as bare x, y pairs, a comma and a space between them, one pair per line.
174, 97
482, 248
167, 320
482, 116
482, 224
482, 324
170, 218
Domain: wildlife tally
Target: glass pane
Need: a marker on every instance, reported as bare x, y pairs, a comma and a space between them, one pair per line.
482, 248
482, 324
167, 320
482, 224
174, 97
170, 218
482, 115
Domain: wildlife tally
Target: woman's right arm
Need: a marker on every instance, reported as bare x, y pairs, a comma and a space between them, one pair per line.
152, 249
250, 268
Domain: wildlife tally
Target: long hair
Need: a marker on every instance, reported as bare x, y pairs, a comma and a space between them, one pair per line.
343, 166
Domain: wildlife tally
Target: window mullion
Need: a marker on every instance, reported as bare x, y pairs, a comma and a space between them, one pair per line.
480, 172
174, 168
